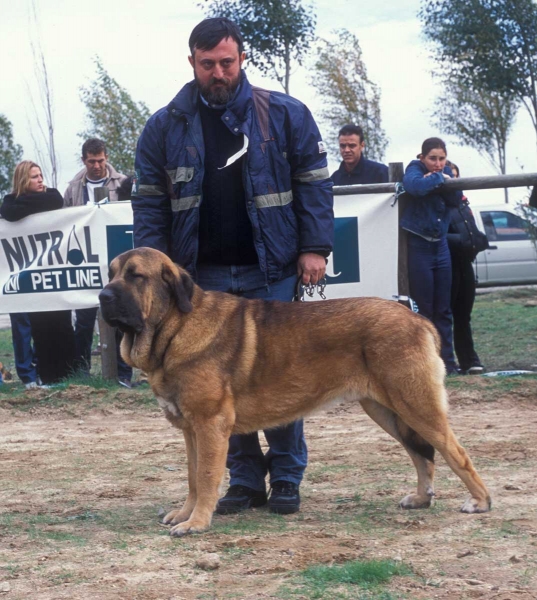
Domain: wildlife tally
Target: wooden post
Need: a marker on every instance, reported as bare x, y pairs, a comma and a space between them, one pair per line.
108, 350
396, 173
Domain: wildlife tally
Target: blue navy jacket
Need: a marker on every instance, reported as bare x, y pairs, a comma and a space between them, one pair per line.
366, 171
286, 181
427, 212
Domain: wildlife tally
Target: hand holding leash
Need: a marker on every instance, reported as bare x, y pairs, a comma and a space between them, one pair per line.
311, 267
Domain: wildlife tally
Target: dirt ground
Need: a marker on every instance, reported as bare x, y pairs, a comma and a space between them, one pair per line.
85, 473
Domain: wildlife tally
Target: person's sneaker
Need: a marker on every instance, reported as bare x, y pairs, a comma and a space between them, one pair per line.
284, 498
476, 370
240, 497
125, 383
32, 385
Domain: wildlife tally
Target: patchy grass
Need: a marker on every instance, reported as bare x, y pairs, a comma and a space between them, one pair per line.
357, 580
250, 523
505, 329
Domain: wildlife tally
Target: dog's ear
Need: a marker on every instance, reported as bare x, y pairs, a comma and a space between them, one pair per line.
181, 286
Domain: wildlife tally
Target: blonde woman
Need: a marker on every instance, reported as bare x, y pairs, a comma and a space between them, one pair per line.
52, 331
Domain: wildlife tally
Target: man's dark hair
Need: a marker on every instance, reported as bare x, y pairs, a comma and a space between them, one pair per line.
93, 146
352, 130
210, 32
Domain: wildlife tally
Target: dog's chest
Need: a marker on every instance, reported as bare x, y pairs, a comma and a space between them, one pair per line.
169, 406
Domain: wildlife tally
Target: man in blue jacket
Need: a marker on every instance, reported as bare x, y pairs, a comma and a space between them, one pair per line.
355, 167
232, 183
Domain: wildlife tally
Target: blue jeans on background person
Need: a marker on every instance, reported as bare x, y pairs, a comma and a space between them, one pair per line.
287, 457
85, 323
21, 334
429, 278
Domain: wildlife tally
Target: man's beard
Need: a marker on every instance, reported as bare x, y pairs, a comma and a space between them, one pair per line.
220, 95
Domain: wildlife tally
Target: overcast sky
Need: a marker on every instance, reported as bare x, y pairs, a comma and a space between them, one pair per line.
143, 44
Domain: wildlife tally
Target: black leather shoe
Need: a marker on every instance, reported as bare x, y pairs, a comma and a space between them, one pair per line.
240, 497
284, 498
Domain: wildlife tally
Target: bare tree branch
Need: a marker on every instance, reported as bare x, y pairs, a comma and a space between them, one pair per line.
43, 116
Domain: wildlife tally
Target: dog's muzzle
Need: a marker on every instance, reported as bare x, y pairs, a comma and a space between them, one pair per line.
117, 313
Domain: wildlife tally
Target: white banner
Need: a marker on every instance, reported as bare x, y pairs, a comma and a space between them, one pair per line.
59, 259
365, 257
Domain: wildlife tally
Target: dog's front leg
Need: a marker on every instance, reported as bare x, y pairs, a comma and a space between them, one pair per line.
212, 441
178, 516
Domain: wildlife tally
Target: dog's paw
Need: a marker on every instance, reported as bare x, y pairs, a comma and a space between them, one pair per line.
190, 526
176, 516
472, 505
414, 501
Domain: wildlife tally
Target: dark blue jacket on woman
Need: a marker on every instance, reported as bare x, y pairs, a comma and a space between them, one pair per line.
427, 213
285, 175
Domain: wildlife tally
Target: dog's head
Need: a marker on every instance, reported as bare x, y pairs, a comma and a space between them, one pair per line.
144, 285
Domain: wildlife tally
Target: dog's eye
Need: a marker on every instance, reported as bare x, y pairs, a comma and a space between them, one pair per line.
135, 275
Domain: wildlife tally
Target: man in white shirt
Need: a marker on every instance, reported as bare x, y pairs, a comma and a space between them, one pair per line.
97, 172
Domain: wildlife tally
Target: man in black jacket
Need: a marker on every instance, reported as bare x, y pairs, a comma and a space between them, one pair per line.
355, 168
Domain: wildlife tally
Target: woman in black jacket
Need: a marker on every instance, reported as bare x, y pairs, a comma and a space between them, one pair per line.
52, 331
465, 242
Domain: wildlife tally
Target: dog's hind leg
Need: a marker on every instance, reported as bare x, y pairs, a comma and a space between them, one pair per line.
432, 425
420, 451
179, 516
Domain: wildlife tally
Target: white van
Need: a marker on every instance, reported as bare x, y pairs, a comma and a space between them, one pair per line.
512, 257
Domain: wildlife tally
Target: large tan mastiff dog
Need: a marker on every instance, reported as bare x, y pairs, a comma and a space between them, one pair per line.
219, 364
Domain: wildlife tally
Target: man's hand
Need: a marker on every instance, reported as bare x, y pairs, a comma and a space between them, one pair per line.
311, 267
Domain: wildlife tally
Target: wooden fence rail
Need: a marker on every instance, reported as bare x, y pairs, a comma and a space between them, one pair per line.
463, 183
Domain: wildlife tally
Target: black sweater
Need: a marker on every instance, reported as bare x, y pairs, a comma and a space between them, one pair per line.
16, 208
225, 230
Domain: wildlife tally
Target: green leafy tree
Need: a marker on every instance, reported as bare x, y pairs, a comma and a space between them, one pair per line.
114, 117
276, 32
487, 44
10, 155
479, 119
348, 95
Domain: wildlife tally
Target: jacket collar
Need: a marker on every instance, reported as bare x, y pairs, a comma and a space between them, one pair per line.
111, 173
185, 103
357, 169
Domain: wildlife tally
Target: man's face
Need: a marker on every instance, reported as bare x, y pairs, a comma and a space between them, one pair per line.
351, 149
218, 71
95, 165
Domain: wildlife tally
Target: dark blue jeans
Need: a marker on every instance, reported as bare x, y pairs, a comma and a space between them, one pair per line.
429, 278
21, 334
85, 322
287, 456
